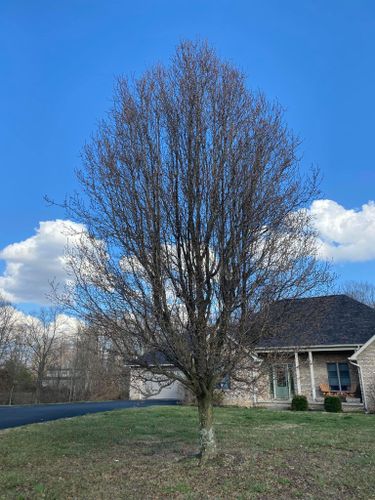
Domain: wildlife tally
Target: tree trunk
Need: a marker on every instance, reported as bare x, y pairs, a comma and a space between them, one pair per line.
207, 435
71, 387
38, 391
10, 400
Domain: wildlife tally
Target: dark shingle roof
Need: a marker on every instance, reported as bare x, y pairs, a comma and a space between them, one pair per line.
315, 321
328, 320
152, 358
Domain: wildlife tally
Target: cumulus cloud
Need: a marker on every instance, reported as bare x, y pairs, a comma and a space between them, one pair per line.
345, 235
65, 324
31, 264
68, 325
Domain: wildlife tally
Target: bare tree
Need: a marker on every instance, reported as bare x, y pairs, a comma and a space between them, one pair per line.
86, 365
362, 291
96, 371
8, 321
195, 215
41, 334
15, 368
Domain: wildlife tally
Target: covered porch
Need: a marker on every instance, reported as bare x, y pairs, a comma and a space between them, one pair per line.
313, 372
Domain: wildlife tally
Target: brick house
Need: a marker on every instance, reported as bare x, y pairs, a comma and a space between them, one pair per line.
364, 359
327, 345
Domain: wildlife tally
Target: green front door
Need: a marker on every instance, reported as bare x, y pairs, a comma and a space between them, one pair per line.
282, 381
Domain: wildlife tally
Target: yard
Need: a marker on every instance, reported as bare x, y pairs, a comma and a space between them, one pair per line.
148, 453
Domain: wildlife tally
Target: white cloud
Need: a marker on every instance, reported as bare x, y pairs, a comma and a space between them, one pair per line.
345, 235
65, 325
31, 264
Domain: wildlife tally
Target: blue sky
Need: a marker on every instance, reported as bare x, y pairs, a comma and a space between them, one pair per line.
59, 60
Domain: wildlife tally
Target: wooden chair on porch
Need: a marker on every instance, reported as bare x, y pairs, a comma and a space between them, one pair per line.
325, 389
352, 391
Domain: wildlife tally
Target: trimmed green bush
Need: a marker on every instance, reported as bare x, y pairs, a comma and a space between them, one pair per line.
332, 404
299, 403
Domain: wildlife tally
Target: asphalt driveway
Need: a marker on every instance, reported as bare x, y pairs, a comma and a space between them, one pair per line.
14, 416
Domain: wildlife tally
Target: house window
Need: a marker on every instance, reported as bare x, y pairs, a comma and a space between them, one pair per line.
338, 376
224, 384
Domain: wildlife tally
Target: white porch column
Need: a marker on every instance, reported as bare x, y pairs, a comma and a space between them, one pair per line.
254, 387
298, 374
274, 382
255, 397
312, 376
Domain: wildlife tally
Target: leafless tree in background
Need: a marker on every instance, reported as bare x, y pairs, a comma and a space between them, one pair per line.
14, 369
194, 208
86, 365
362, 291
41, 355
96, 371
8, 322
40, 336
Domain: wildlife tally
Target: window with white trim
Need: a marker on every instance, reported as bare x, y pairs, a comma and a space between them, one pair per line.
224, 384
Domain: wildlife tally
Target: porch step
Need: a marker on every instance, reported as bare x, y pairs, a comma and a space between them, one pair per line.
353, 400
346, 407
356, 406
348, 400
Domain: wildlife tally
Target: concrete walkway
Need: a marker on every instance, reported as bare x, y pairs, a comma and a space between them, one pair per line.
14, 416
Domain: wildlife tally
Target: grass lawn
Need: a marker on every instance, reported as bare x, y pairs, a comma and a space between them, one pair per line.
147, 453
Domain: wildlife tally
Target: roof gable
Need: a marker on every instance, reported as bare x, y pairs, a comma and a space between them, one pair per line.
363, 348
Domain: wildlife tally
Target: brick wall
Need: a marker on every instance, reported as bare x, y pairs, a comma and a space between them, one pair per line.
254, 388
366, 360
239, 395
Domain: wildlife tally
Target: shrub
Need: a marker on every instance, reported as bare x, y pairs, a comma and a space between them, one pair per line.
299, 403
332, 404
